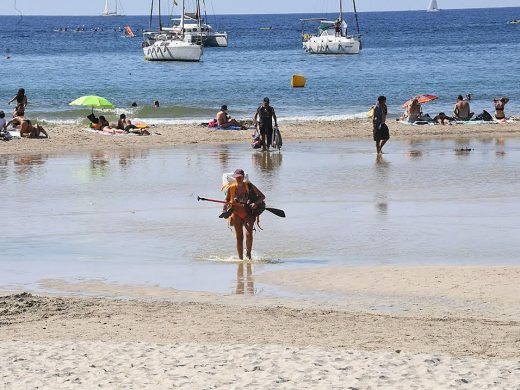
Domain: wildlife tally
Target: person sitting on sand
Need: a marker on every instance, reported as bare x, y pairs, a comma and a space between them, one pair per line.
126, 125
3, 122
499, 107
442, 118
102, 124
28, 130
462, 110
413, 111
224, 121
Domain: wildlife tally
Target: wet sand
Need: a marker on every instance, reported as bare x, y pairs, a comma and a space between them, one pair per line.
69, 138
201, 339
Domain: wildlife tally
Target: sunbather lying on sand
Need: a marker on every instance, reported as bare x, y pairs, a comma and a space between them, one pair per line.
126, 125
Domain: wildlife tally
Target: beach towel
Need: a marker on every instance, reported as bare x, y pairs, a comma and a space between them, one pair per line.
111, 132
416, 123
229, 128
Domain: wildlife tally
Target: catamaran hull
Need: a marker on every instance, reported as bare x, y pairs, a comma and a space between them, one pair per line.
192, 53
318, 45
213, 40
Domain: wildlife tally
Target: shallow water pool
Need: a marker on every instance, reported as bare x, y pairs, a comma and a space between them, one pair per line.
132, 217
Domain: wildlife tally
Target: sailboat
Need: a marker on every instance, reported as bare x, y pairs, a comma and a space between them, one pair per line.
169, 45
433, 7
332, 36
107, 12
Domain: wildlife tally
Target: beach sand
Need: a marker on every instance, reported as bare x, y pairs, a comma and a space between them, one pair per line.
72, 138
378, 327
361, 328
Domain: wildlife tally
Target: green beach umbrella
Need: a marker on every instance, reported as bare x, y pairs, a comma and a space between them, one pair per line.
92, 101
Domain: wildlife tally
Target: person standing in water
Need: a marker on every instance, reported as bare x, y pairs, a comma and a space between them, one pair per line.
245, 201
21, 103
380, 129
265, 113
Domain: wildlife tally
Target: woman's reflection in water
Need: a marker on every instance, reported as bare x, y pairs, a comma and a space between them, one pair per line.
267, 161
245, 284
381, 196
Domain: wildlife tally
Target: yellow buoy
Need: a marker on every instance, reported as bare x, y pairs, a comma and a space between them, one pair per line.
297, 81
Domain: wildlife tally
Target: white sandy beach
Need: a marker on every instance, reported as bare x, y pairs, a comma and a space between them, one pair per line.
434, 327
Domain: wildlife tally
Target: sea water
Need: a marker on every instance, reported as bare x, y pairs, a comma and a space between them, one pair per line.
132, 217
447, 53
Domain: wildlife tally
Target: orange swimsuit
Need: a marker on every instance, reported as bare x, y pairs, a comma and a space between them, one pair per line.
239, 203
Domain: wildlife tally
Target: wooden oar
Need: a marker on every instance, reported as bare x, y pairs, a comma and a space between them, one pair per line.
277, 212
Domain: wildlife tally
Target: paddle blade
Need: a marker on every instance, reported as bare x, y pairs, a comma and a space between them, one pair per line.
277, 212
226, 214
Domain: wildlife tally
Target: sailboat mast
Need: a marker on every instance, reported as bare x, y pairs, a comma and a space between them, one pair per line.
198, 16
182, 19
355, 14
340, 9
116, 7
150, 21
160, 18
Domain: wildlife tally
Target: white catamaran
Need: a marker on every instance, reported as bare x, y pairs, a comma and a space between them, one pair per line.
169, 45
107, 12
433, 7
205, 33
333, 36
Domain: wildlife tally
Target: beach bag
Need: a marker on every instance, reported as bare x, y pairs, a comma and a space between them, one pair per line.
257, 141
5, 136
485, 116
212, 123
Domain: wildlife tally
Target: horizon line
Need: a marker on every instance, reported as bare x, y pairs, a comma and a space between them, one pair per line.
283, 13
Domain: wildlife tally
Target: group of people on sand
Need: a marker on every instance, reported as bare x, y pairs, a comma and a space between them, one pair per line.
19, 121
461, 112
263, 120
124, 124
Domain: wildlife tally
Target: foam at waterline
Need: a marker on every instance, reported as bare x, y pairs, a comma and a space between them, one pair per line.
196, 120
324, 118
257, 259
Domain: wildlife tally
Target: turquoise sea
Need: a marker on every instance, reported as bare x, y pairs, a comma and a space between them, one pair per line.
405, 53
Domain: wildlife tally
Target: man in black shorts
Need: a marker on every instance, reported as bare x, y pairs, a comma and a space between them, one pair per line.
265, 113
380, 130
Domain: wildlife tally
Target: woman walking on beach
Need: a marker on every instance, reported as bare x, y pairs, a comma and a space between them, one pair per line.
21, 103
245, 202
380, 129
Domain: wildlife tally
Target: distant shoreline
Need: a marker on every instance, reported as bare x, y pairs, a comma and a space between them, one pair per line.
74, 138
